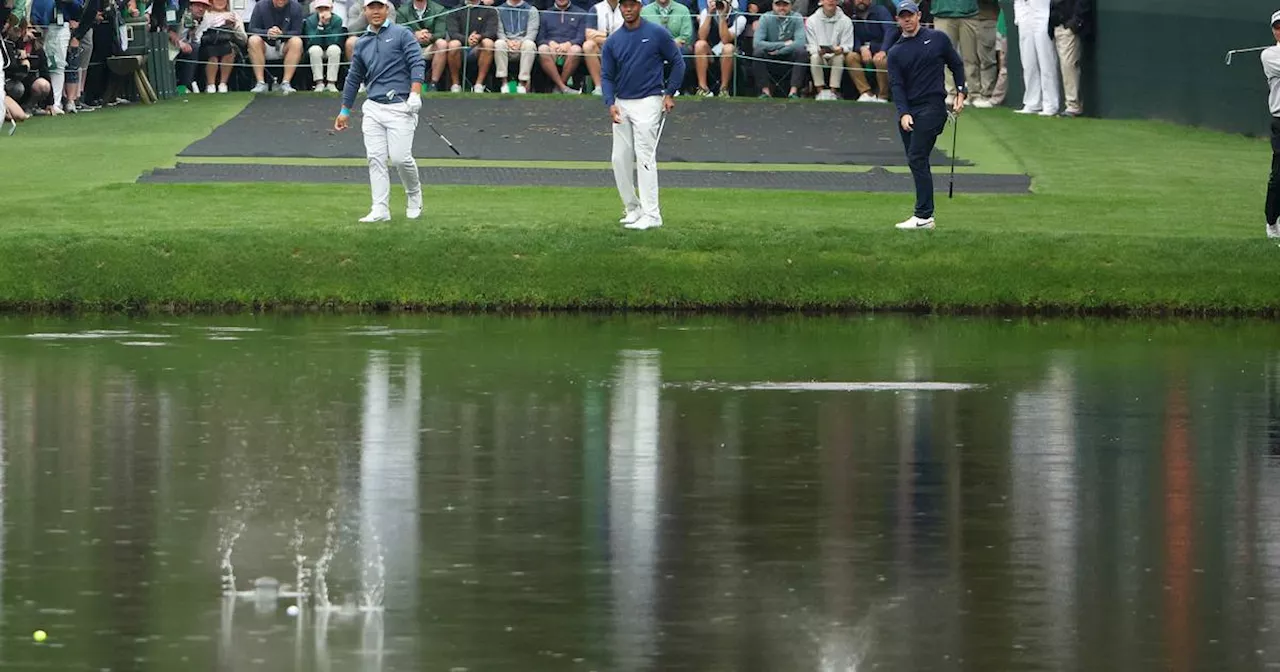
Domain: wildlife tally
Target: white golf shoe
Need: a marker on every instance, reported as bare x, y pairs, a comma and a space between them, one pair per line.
376, 216
914, 223
645, 222
631, 217
1273, 230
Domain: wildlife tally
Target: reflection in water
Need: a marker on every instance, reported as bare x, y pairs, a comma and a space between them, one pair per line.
1044, 521
633, 505
1069, 507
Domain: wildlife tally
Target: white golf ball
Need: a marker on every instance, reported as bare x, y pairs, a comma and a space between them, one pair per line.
292, 610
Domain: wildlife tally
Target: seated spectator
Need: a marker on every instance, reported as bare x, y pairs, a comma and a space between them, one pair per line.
561, 31
780, 37
275, 33
27, 77
676, 18
429, 22
221, 36
718, 29
829, 38
518, 32
183, 36
323, 32
870, 25
605, 19
478, 25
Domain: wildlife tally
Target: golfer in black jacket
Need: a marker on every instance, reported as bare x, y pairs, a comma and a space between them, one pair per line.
916, 65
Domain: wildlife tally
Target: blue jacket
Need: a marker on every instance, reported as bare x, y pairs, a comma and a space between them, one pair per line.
871, 31
386, 62
568, 25
632, 62
45, 12
916, 70
516, 20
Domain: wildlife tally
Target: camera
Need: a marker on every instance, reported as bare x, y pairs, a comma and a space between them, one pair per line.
721, 4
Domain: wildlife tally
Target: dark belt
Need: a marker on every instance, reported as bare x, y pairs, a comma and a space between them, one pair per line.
384, 100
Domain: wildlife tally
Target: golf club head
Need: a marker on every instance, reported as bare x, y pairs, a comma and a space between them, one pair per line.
13, 126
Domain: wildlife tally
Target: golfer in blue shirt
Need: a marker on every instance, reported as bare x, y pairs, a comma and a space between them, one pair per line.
916, 63
632, 64
388, 61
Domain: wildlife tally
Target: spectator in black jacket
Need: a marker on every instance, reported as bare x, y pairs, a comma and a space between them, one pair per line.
1071, 23
27, 77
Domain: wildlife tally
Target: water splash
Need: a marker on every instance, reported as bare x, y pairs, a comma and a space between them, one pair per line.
320, 578
302, 573
374, 578
227, 544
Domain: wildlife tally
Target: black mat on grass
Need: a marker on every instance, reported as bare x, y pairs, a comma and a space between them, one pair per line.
877, 180
576, 128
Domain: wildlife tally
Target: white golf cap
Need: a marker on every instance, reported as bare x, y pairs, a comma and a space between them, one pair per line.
366, 3
1275, 18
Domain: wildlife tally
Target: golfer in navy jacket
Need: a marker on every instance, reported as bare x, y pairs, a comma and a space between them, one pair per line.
632, 64
916, 72
388, 61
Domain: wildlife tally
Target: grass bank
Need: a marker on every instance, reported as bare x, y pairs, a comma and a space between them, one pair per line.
1127, 217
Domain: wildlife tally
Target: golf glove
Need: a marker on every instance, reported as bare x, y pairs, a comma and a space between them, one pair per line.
415, 102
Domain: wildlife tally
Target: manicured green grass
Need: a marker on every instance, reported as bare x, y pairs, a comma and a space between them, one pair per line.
1135, 217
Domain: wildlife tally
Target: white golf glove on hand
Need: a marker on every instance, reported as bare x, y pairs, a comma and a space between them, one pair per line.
415, 102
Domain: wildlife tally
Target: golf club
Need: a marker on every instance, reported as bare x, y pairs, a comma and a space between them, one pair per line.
446, 140
1241, 51
955, 130
13, 125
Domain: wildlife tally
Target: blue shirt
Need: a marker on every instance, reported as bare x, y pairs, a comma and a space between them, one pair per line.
871, 30
46, 12
633, 59
915, 69
387, 62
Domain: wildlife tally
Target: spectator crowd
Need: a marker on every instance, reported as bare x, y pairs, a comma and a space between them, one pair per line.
54, 52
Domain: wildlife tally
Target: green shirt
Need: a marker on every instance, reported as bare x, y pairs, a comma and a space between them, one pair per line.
322, 36
434, 18
953, 9
674, 17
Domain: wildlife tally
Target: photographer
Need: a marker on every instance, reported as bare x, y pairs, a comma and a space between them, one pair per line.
275, 33
719, 26
27, 77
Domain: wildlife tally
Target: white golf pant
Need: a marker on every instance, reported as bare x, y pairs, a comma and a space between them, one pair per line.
388, 134
1039, 57
57, 39
635, 153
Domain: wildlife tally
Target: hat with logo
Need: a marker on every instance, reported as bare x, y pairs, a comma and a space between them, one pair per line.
909, 7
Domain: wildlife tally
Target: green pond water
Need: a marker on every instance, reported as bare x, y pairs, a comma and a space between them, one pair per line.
638, 493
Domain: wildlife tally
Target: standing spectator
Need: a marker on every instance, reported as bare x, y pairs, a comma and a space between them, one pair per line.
719, 26
982, 82
518, 32
605, 19
429, 22
478, 25
560, 36
829, 38
959, 20
634, 61
275, 33
183, 36
221, 34
919, 93
51, 20
1271, 68
1001, 88
323, 30
1072, 23
780, 37
1039, 62
870, 28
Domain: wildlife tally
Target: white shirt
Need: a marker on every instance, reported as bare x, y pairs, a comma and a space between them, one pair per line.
1271, 68
608, 19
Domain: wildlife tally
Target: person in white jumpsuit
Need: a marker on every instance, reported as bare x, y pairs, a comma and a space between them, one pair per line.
1039, 58
632, 63
388, 61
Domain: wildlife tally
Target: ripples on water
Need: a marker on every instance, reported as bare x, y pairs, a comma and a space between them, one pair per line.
585, 493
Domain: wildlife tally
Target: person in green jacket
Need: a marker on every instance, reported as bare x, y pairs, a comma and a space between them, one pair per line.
428, 21
675, 17
779, 49
322, 32
959, 20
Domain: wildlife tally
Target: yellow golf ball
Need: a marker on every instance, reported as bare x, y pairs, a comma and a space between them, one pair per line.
39, 635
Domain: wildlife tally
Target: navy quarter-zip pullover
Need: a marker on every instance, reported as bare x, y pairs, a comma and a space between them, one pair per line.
915, 69
387, 62
631, 63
